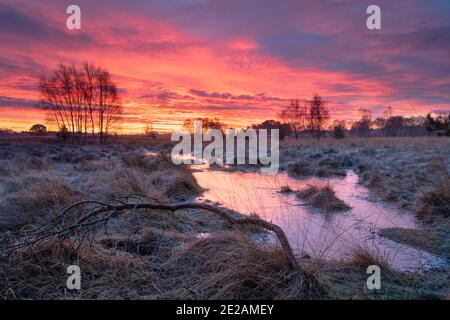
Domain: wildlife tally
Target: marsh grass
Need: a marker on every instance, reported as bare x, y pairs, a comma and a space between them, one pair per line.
363, 256
139, 255
154, 255
434, 203
224, 266
322, 197
398, 170
31, 198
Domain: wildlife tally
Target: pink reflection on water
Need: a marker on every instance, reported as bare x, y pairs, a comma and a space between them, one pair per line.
327, 236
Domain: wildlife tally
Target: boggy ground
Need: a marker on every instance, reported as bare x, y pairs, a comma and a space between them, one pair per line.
412, 173
399, 170
189, 254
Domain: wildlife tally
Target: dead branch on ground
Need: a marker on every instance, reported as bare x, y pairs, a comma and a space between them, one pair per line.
98, 214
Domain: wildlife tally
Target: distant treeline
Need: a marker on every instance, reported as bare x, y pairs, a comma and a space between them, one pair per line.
391, 126
312, 119
394, 126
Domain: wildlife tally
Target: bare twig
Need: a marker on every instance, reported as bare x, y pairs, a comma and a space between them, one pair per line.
47, 230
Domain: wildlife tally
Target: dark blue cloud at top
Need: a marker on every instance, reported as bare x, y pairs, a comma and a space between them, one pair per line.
29, 27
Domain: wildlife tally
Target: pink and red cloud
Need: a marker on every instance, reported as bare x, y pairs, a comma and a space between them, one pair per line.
241, 61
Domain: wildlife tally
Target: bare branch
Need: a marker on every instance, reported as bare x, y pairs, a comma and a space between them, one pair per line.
87, 220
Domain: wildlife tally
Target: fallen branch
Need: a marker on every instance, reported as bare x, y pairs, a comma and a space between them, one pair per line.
49, 229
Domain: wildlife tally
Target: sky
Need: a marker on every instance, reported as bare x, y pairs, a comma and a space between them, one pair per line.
238, 60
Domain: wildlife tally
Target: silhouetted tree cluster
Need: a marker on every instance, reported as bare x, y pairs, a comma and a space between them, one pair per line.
310, 117
439, 124
207, 123
64, 134
6, 131
38, 129
284, 129
81, 101
339, 128
393, 126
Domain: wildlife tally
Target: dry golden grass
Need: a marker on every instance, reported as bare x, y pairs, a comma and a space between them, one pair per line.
231, 266
152, 265
363, 257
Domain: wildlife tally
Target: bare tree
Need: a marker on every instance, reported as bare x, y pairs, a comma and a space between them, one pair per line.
296, 116
364, 125
81, 100
318, 116
89, 91
108, 108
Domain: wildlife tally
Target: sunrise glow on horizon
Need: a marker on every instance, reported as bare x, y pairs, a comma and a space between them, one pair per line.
179, 59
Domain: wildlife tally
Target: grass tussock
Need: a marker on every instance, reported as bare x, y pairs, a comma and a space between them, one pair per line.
231, 266
149, 176
300, 168
322, 197
286, 189
145, 243
33, 198
346, 279
434, 204
180, 186
174, 182
364, 257
148, 163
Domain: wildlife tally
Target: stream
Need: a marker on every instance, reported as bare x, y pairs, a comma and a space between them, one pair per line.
310, 232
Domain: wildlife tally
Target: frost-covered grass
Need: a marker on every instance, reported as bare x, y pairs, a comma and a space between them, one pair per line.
157, 255
412, 173
399, 170
39, 180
